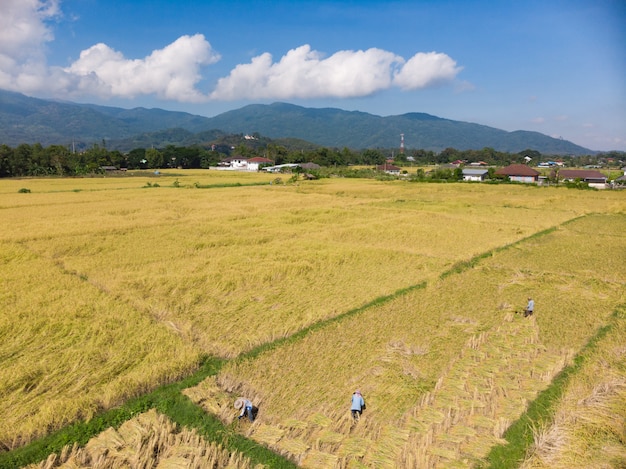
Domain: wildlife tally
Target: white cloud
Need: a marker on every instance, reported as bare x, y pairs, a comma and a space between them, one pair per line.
169, 73
22, 27
174, 71
23, 35
426, 69
303, 73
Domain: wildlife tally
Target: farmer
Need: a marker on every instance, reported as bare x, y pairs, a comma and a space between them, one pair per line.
530, 307
358, 404
246, 408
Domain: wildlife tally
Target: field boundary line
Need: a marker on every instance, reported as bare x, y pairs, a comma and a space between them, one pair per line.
258, 350
462, 266
457, 268
163, 398
224, 185
167, 399
519, 435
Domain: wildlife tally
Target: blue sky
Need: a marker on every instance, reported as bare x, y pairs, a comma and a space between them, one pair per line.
556, 67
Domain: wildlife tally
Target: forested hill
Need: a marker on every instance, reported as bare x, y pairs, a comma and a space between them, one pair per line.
353, 129
31, 120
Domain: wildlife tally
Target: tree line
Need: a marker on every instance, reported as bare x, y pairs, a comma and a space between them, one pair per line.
59, 160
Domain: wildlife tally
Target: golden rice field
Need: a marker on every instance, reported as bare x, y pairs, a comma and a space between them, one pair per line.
590, 423
113, 286
444, 369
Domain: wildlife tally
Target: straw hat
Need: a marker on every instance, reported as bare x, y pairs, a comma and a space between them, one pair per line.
239, 403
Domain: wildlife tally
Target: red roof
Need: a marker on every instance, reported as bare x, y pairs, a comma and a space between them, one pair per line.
583, 174
518, 170
259, 159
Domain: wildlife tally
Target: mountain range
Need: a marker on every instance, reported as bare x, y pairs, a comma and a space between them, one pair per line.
31, 120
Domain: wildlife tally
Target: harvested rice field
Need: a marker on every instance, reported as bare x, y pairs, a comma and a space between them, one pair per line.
410, 292
148, 440
447, 368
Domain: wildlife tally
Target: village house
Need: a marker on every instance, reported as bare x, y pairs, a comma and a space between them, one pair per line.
290, 167
592, 177
389, 169
309, 166
519, 173
240, 163
473, 174
281, 168
256, 163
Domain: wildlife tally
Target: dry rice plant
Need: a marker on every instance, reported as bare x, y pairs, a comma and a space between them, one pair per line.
112, 289
133, 180
198, 265
589, 427
149, 440
68, 350
448, 362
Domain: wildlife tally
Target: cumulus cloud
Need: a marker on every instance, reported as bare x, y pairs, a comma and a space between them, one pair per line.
174, 72
426, 69
304, 73
23, 35
22, 27
170, 73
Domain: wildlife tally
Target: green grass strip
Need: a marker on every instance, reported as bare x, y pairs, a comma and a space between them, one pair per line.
540, 412
227, 184
180, 409
256, 351
82, 432
166, 399
462, 266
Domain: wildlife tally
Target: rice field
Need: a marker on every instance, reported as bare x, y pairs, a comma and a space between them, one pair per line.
148, 440
114, 286
445, 369
589, 425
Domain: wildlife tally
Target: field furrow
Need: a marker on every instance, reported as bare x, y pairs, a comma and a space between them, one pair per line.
488, 388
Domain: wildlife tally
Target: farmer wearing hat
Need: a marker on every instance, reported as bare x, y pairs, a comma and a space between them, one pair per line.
246, 407
530, 307
358, 404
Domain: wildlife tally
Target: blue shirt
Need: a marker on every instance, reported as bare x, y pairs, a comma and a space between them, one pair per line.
247, 405
357, 402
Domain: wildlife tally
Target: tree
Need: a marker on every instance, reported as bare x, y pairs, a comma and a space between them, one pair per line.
155, 158
210, 158
372, 157
57, 157
448, 155
137, 158
423, 156
20, 160
6, 155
